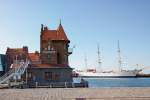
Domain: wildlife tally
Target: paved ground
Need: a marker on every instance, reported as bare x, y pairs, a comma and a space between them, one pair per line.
76, 94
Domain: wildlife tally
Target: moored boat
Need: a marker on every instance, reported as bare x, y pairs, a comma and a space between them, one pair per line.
109, 74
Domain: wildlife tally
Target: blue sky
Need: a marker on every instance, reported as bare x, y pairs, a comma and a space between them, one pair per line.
86, 22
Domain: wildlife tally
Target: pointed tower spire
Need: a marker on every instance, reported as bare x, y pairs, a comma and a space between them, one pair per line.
60, 27
61, 33
60, 21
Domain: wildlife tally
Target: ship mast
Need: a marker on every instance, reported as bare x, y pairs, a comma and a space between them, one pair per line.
119, 57
99, 58
85, 60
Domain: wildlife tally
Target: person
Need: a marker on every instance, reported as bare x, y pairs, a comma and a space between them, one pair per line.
84, 82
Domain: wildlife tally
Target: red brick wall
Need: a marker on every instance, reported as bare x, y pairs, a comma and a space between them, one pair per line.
59, 47
58, 55
12, 54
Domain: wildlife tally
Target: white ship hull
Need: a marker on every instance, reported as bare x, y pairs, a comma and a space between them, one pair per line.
109, 74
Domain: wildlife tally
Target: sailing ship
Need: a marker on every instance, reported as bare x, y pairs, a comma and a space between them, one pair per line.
120, 73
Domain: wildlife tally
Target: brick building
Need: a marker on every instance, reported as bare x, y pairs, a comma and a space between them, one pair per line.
48, 65
54, 46
51, 64
15, 55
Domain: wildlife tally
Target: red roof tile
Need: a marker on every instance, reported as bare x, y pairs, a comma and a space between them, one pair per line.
34, 57
58, 34
48, 66
15, 50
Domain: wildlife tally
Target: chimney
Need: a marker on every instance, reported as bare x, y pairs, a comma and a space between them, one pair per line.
42, 27
25, 48
45, 28
37, 53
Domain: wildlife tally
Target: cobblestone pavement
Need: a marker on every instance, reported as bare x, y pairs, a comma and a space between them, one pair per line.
76, 94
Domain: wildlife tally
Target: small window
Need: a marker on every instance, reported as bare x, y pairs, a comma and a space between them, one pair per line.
56, 76
48, 75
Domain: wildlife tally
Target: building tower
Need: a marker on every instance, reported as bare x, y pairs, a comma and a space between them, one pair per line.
54, 46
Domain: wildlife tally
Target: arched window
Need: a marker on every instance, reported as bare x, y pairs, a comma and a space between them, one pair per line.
49, 47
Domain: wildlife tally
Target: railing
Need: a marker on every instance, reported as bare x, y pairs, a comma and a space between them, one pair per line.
14, 72
70, 50
22, 68
6, 76
57, 85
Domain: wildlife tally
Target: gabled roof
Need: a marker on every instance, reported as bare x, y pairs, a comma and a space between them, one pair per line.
17, 50
34, 57
58, 34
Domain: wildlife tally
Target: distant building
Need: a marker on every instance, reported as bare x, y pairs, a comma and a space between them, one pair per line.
48, 65
2, 64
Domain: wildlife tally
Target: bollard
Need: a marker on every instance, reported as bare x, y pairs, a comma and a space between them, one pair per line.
36, 84
65, 84
50, 86
73, 85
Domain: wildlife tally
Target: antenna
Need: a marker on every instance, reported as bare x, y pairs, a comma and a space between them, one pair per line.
99, 58
119, 57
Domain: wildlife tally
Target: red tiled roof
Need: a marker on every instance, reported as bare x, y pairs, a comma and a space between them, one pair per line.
15, 50
58, 34
34, 57
48, 66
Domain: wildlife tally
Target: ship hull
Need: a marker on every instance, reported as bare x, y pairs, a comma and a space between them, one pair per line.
107, 76
122, 74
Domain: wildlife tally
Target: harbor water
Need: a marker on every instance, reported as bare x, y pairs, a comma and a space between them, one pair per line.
116, 82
